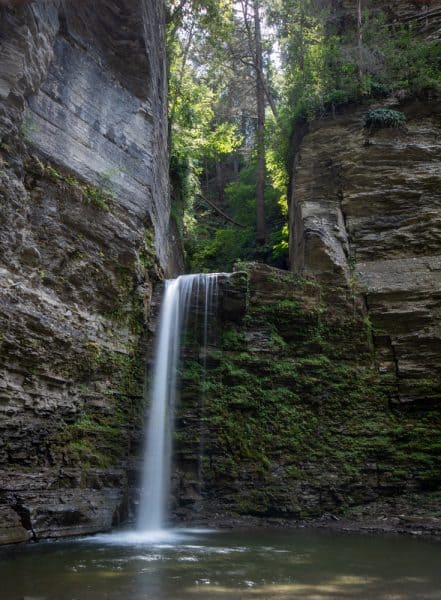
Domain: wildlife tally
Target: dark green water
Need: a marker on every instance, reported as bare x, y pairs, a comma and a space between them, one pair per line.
262, 564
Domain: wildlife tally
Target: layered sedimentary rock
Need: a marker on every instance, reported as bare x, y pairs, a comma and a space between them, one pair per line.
84, 85
366, 208
85, 231
287, 416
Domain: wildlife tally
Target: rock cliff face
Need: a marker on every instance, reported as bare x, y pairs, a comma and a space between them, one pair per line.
85, 231
291, 418
365, 208
364, 217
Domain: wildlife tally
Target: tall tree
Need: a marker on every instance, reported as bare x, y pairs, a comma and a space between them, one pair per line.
360, 37
235, 71
260, 132
251, 14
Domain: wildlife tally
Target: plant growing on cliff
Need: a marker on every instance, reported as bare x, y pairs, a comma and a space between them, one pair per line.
331, 56
97, 196
28, 127
384, 117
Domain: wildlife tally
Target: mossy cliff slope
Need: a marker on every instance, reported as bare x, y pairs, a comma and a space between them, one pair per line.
84, 234
291, 419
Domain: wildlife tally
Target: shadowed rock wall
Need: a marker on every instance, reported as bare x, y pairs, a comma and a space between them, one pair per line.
84, 85
287, 416
85, 232
365, 212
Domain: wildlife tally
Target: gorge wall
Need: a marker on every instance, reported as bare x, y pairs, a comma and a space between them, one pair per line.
288, 418
85, 231
319, 395
365, 210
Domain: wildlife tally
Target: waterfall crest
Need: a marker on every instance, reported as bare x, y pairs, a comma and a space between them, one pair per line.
173, 321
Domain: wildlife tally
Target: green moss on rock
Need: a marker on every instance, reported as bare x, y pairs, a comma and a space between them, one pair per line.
294, 406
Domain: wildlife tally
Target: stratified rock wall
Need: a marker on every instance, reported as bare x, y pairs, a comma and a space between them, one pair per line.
365, 221
366, 212
85, 232
286, 416
84, 85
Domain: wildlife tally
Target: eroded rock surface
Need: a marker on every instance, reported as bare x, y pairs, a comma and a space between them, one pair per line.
85, 232
366, 212
288, 418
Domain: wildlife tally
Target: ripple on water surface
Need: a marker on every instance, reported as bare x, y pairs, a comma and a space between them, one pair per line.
190, 564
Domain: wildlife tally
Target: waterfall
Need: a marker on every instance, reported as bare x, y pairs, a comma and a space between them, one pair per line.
173, 321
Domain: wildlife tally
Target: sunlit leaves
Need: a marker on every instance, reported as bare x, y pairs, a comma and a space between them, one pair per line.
196, 132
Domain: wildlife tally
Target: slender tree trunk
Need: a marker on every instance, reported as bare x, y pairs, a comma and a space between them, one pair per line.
260, 134
220, 184
185, 56
236, 166
302, 41
360, 36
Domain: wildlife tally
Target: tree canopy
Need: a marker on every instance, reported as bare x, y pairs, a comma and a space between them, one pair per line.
243, 73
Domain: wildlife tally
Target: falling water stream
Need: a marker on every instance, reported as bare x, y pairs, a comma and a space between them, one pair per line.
180, 295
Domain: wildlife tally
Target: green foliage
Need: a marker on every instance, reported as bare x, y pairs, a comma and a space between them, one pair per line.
212, 107
401, 59
195, 137
195, 132
97, 197
212, 98
323, 66
384, 117
218, 250
232, 339
185, 186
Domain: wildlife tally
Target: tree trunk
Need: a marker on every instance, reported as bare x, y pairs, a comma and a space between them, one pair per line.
360, 37
220, 184
260, 133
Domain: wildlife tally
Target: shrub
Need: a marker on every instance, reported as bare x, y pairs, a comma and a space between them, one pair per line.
380, 118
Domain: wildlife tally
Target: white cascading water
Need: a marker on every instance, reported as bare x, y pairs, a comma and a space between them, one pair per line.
173, 321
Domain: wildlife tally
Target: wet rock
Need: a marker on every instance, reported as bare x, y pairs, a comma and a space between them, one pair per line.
30, 256
12, 530
292, 420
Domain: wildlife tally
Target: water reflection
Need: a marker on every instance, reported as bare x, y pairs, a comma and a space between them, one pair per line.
187, 564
